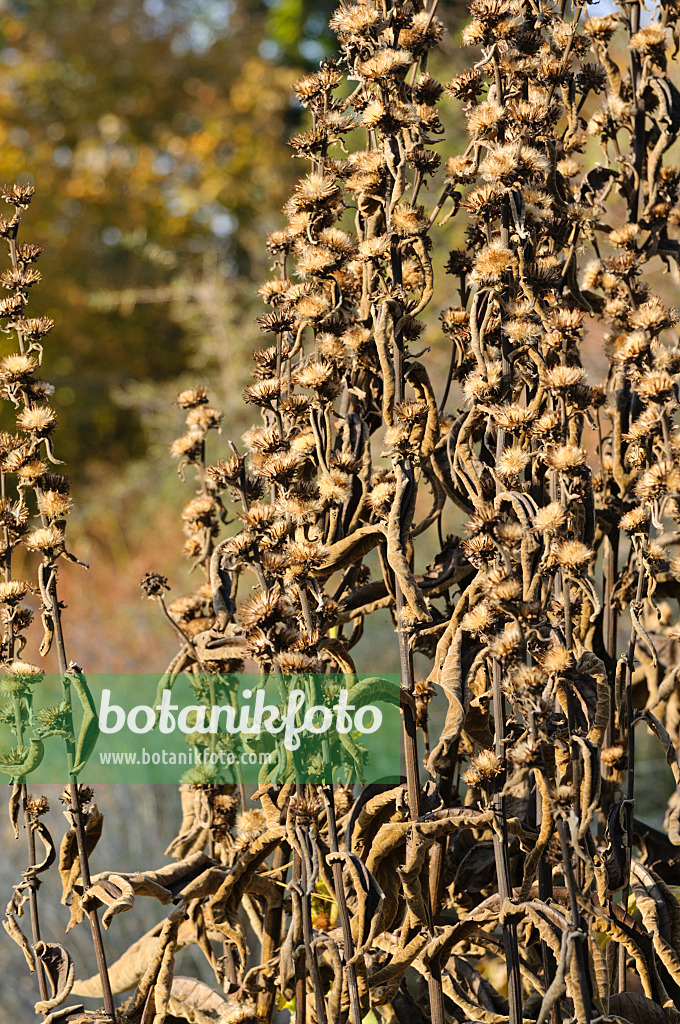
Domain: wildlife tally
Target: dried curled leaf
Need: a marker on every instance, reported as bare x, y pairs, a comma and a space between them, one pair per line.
13, 910
113, 892
197, 1003
59, 971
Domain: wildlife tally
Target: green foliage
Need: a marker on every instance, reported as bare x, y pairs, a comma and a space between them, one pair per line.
158, 131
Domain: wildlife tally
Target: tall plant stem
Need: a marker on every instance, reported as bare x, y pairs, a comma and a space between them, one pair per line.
545, 892
581, 962
630, 775
272, 934
500, 834
29, 825
300, 954
434, 982
343, 912
500, 848
308, 930
32, 892
76, 812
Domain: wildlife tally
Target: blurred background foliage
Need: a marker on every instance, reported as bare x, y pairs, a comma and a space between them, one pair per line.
156, 135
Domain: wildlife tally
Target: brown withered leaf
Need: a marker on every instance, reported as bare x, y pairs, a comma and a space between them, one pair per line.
69, 861
114, 892
447, 568
477, 870
193, 831
350, 549
15, 909
615, 856
14, 807
158, 973
198, 1003
452, 683
50, 853
659, 854
59, 971
636, 1009
77, 1014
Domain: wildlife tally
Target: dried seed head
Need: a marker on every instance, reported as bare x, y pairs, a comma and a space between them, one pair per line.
481, 384
484, 768
291, 662
313, 308
408, 220
20, 278
625, 236
374, 248
153, 584
660, 479
260, 609
19, 675
203, 417
334, 486
601, 29
656, 386
12, 305
556, 659
13, 591
550, 519
183, 609
521, 331
467, 85
38, 419
636, 520
491, 263
354, 21
614, 757
54, 504
512, 462
319, 376
510, 533
384, 64
200, 511
188, 446
484, 120
479, 619
652, 39
507, 643
380, 497
572, 554
192, 397
559, 379
47, 539
225, 472
16, 369
652, 316
315, 191
526, 753
18, 195
512, 417
566, 457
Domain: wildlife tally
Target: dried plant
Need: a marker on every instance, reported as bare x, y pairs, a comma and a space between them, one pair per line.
35, 504
517, 881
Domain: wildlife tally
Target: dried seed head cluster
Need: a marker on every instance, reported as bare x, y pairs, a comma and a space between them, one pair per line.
571, 490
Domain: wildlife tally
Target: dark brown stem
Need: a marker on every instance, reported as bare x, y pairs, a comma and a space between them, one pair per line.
343, 911
500, 847
576, 922
77, 815
29, 825
272, 934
